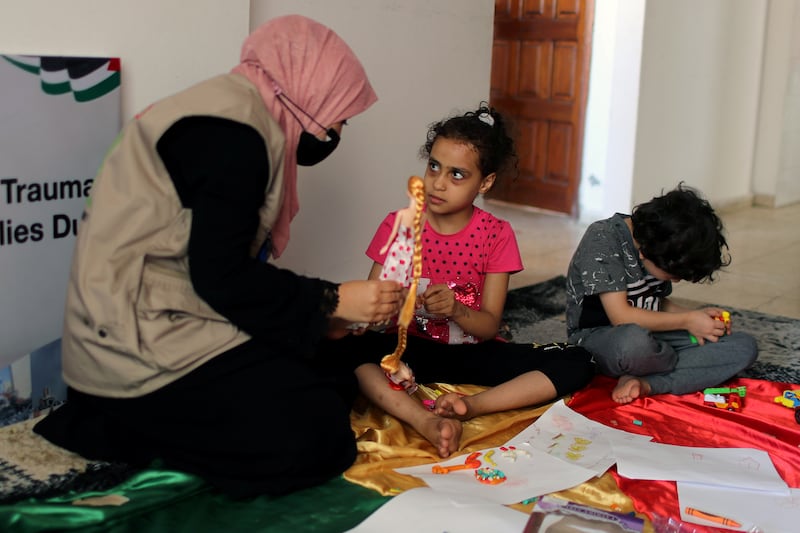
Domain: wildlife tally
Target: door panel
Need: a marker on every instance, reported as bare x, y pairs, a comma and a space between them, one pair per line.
540, 68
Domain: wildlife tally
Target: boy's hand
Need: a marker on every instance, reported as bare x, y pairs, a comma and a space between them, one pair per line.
703, 325
717, 314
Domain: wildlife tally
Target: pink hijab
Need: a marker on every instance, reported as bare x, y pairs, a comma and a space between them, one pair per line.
316, 69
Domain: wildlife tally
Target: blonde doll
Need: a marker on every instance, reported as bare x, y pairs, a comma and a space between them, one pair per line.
404, 264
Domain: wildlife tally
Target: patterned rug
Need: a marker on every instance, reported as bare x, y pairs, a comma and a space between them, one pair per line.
536, 313
32, 467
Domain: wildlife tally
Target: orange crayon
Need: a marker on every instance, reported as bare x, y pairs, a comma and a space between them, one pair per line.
712, 517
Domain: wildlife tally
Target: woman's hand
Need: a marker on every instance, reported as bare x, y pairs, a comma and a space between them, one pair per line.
370, 301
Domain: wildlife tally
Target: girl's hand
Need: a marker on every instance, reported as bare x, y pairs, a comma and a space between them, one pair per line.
371, 301
441, 300
702, 324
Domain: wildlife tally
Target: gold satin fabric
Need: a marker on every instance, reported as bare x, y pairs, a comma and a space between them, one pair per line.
385, 443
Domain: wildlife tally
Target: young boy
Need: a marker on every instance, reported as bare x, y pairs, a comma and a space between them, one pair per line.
617, 306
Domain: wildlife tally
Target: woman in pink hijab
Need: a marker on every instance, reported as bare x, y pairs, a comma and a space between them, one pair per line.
182, 343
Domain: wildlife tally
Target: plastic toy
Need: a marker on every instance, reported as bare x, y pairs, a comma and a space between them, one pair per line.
790, 399
741, 391
724, 318
391, 363
470, 463
490, 476
730, 398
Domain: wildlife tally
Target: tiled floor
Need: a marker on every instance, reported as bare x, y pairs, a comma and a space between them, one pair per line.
764, 245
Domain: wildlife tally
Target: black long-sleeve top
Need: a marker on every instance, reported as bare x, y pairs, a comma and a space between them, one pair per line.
220, 170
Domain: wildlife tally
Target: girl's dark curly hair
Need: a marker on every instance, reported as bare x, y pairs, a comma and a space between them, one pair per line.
681, 234
487, 131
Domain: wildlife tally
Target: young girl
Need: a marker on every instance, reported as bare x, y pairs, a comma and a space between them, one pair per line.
468, 256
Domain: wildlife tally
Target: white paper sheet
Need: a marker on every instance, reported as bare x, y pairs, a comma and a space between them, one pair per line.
570, 436
746, 468
770, 512
423, 510
530, 474
536, 467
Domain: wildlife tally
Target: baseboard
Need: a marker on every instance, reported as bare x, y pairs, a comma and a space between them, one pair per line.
734, 204
764, 200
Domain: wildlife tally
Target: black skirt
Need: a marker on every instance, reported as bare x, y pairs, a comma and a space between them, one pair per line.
248, 421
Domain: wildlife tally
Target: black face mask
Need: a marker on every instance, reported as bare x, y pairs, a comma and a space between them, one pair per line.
311, 150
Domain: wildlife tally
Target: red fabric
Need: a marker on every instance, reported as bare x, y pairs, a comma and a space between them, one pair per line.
685, 421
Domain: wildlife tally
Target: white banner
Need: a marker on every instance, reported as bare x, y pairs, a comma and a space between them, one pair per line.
58, 117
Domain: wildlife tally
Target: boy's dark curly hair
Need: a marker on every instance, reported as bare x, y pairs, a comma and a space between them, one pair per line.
681, 234
489, 137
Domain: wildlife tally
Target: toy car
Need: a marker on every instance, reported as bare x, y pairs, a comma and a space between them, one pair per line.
731, 402
789, 399
730, 398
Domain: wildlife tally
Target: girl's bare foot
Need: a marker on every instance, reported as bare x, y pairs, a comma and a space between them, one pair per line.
443, 433
629, 388
452, 405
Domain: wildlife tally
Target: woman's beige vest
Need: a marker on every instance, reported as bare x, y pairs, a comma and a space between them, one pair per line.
133, 321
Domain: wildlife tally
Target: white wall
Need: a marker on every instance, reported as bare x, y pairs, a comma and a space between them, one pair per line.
612, 109
698, 105
776, 173
788, 183
165, 46
426, 60
675, 94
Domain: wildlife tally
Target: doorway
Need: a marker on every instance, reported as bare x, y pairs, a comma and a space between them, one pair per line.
540, 81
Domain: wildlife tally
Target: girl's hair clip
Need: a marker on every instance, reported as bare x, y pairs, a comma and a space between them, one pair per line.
486, 118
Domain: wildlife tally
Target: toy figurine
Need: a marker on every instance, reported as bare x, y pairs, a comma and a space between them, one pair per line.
398, 265
404, 263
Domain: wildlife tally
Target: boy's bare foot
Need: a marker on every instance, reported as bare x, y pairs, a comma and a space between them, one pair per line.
443, 433
452, 405
629, 388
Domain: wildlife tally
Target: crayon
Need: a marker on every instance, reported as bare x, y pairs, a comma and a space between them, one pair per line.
712, 517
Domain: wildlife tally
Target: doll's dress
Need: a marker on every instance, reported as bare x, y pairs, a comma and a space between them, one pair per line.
398, 263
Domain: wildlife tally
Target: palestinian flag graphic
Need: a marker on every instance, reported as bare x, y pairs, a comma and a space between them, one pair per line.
88, 78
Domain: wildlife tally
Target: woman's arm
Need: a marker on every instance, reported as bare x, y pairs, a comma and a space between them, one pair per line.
220, 170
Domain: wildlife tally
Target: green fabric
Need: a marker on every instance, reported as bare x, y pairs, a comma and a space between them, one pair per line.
168, 501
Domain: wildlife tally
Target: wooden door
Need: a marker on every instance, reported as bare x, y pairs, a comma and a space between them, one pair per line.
540, 71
